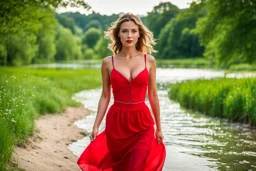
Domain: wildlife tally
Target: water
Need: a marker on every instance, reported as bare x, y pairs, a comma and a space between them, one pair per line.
193, 141
70, 65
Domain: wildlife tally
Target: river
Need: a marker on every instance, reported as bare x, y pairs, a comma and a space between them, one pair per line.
194, 142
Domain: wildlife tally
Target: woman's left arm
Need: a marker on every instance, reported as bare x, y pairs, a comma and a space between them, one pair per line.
153, 97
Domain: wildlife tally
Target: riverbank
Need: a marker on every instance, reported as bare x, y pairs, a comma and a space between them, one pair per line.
47, 148
185, 63
230, 98
26, 94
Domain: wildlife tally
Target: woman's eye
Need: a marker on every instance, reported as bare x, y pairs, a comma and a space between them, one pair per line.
124, 31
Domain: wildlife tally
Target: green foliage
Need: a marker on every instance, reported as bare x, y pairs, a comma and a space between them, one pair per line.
242, 67
22, 44
89, 53
68, 46
176, 39
91, 37
165, 33
46, 50
27, 30
27, 93
185, 63
6, 142
21, 48
101, 48
228, 31
91, 21
46, 42
3, 53
93, 24
160, 16
67, 22
25, 13
234, 99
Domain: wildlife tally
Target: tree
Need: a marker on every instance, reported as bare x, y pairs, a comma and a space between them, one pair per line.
228, 31
21, 48
89, 53
46, 47
91, 37
162, 45
23, 29
101, 48
177, 40
92, 20
160, 16
46, 40
3, 54
67, 45
93, 24
21, 13
66, 22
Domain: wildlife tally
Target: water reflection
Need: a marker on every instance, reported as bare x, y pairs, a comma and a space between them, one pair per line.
70, 65
193, 141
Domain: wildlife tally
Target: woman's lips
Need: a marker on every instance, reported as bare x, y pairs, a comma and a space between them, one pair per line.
129, 41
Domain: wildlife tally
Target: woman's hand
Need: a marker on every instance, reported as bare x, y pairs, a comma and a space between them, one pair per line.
93, 134
159, 136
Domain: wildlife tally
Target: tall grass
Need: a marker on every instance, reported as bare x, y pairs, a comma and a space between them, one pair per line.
27, 93
185, 63
234, 99
242, 67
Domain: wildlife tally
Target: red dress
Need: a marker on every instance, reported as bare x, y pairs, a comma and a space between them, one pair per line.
128, 142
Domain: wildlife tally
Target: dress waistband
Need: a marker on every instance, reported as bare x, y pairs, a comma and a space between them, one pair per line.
128, 104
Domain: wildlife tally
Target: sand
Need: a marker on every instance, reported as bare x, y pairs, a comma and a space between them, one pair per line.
47, 149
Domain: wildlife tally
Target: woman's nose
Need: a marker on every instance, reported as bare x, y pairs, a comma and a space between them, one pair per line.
129, 34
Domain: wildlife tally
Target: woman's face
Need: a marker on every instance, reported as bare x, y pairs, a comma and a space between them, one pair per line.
129, 33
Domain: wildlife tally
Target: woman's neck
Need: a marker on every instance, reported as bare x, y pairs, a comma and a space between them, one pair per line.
129, 52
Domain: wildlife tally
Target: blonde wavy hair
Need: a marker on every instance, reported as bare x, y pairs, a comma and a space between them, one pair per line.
145, 40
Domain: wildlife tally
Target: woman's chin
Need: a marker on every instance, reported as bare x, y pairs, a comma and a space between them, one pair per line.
129, 45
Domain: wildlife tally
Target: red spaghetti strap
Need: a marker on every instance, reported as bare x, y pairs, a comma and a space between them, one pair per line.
113, 62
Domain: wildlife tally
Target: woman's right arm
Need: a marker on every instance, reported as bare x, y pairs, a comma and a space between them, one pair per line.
104, 99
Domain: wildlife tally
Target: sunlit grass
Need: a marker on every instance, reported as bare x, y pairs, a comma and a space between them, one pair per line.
27, 93
185, 63
234, 99
243, 67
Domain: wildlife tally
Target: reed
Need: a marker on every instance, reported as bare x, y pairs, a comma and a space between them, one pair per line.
231, 98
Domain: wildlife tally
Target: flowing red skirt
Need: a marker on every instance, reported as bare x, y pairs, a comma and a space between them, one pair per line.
127, 143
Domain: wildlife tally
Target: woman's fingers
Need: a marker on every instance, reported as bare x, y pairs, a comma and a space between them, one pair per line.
92, 137
159, 137
159, 140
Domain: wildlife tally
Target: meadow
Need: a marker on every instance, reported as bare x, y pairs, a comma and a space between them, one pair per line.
26, 94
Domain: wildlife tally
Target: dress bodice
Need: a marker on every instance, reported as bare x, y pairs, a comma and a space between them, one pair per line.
127, 91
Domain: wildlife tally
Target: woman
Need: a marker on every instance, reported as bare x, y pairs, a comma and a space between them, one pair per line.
129, 141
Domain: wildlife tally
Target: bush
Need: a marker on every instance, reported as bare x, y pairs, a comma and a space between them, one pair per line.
234, 99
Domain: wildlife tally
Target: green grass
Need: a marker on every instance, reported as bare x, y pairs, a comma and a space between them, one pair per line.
27, 93
234, 99
185, 63
242, 67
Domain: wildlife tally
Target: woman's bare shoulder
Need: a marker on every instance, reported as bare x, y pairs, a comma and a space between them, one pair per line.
106, 62
151, 59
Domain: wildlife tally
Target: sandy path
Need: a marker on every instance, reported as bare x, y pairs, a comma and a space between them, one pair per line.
47, 149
